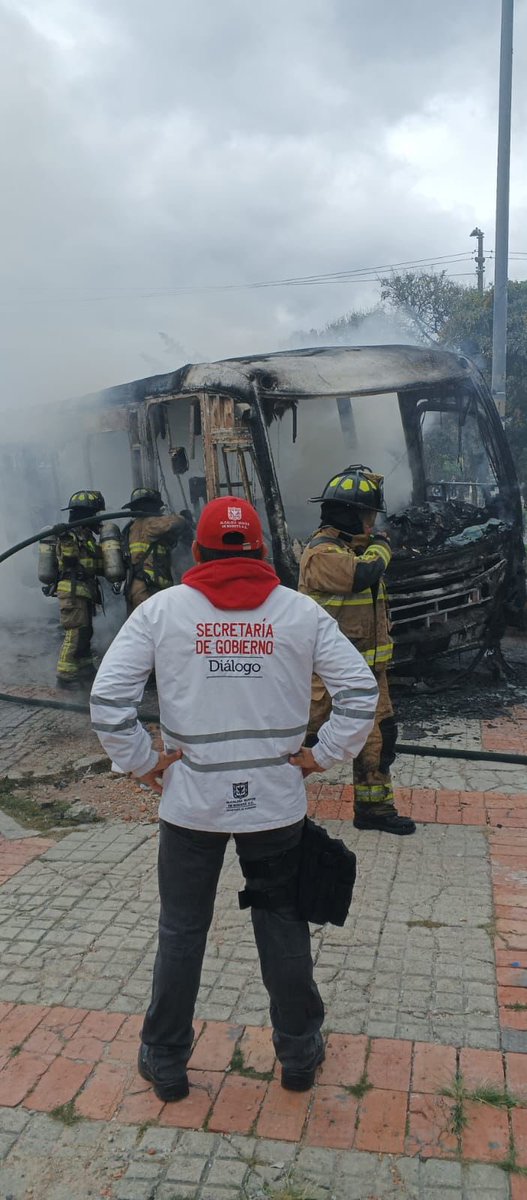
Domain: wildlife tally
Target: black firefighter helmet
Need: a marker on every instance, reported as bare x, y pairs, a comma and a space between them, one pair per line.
87, 501
142, 496
355, 485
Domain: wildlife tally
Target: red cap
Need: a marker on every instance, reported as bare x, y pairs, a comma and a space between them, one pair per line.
229, 514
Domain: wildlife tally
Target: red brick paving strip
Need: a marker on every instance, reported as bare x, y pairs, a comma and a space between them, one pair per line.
434, 1067
216, 1046
519, 1128
332, 1120
257, 1051
405, 1078
193, 1112
486, 1135
518, 1187
17, 853
283, 1113
382, 1121
103, 1092
20, 1075
430, 1127
428, 806
59, 1085
517, 1076
479, 1067
345, 1059
237, 1105
506, 733
390, 1064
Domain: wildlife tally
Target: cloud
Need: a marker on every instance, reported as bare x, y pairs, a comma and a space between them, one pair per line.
152, 146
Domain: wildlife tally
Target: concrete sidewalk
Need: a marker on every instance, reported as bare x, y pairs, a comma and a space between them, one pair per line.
423, 1094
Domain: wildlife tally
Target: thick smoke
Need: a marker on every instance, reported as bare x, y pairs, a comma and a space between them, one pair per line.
331, 435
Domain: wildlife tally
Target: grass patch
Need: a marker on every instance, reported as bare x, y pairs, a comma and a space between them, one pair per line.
14, 1051
359, 1089
66, 1113
458, 1094
486, 1093
517, 1007
497, 1097
238, 1067
28, 812
142, 1130
510, 1164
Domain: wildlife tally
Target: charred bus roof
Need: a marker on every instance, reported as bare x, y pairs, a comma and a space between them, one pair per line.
323, 371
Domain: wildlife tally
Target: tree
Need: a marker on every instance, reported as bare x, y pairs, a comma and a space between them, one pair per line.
438, 310
424, 301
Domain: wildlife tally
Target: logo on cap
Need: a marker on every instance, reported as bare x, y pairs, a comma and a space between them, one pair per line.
234, 514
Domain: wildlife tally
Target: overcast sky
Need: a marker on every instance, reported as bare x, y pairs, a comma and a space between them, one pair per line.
192, 143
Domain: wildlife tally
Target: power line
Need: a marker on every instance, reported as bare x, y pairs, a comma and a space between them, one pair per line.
352, 275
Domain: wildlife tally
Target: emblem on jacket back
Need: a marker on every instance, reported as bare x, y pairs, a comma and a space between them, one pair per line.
240, 791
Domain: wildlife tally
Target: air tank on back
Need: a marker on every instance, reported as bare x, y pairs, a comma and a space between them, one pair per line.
47, 560
112, 554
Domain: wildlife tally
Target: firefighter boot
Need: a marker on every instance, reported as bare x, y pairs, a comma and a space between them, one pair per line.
375, 809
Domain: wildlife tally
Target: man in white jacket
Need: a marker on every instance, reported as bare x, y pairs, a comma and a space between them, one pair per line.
234, 653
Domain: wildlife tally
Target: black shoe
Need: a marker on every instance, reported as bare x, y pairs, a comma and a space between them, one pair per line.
169, 1082
302, 1081
387, 822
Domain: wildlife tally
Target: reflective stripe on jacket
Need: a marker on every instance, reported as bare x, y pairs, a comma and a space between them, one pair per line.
154, 561
234, 692
327, 574
79, 563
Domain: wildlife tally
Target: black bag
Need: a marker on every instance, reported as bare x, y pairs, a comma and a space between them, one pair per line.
326, 877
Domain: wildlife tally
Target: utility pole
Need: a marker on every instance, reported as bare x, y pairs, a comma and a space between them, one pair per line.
499, 321
480, 259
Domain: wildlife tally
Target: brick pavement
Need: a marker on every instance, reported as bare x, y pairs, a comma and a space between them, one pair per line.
374, 1094
334, 801
424, 1090
15, 854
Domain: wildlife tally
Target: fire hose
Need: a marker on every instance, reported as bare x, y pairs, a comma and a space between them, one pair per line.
64, 527
407, 748
34, 702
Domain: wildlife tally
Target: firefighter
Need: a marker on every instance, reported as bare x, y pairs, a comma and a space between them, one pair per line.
79, 563
147, 545
342, 568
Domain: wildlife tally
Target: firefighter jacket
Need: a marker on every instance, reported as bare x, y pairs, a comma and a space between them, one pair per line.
233, 673
147, 545
79, 563
330, 572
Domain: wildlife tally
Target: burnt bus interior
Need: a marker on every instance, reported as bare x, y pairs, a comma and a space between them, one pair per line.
277, 427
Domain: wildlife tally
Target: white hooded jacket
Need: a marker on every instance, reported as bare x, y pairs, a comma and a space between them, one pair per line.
234, 691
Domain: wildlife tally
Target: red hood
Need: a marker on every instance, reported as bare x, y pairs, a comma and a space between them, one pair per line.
233, 583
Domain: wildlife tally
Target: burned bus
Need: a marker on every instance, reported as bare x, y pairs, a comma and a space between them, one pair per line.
275, 427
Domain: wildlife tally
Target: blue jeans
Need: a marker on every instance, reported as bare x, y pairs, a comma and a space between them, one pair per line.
189, 867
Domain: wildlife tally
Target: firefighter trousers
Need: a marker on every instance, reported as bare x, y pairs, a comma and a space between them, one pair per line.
138, 593
371, 769
189, 866
75, 657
